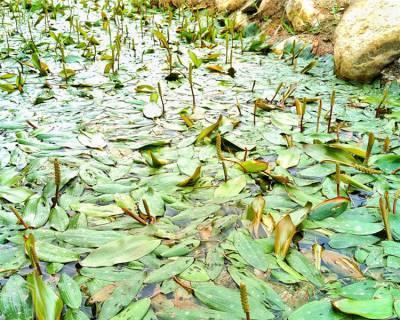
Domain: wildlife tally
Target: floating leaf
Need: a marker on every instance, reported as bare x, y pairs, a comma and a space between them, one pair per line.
169, 270
228, 300
253, 166
330, 208
69, 291
388, 163
126, 249
192, 179
14, 195
135, 311
15, 302
316, 310
250, 251
231, 188
379, 308
300, 263
207, 131
216, 68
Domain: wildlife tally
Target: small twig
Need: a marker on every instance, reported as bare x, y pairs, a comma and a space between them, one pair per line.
149, 217
333, 96
134, 216
31, 124
319, 113
246, 152
19, 217
253, 86
338, 179
183, 285
161, 97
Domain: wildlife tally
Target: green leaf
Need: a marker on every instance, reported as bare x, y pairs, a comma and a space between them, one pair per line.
75, 315
228, 300
231, 188
169, 270
196, 61
342, 240
380, 308
172, 313
58, 219
47, 304
195, 273
330, 208
258, 288
15, 302
126, 249
250, 251
348, 226
388, 163
121, 297
15, 195
135, 311
253, 166
36, 211
52, 253
316, 310
70, 291
207, 131
289, 158
302, 265
321, 152
88, 238
359, 290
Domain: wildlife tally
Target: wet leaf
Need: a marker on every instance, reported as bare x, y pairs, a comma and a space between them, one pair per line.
14, 195
250, 251
47, 304
228, 300
316, 309
289, 158
253, 166
208, 130
301, 264
192, 179
69, 291
135, 311
121, 297
126, 249
169, 270
330, 208
284, 232
231, 187
15, 302
380, 308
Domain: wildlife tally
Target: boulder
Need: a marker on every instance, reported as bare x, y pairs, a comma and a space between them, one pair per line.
308, 14
367, 39
303, 14
270, 8
231, 5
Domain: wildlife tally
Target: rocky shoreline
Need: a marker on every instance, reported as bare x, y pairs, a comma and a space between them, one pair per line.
363, 35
